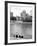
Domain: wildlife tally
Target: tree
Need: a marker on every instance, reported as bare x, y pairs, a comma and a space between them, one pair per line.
23, 14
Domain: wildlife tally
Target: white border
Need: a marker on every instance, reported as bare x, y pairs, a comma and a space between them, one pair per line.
33, 29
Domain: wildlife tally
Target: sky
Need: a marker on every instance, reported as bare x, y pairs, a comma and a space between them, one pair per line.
17, 10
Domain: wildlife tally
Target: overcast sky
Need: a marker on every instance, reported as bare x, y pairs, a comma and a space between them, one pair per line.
17, 10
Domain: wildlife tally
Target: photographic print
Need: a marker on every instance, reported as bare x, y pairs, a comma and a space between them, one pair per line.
20, 20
